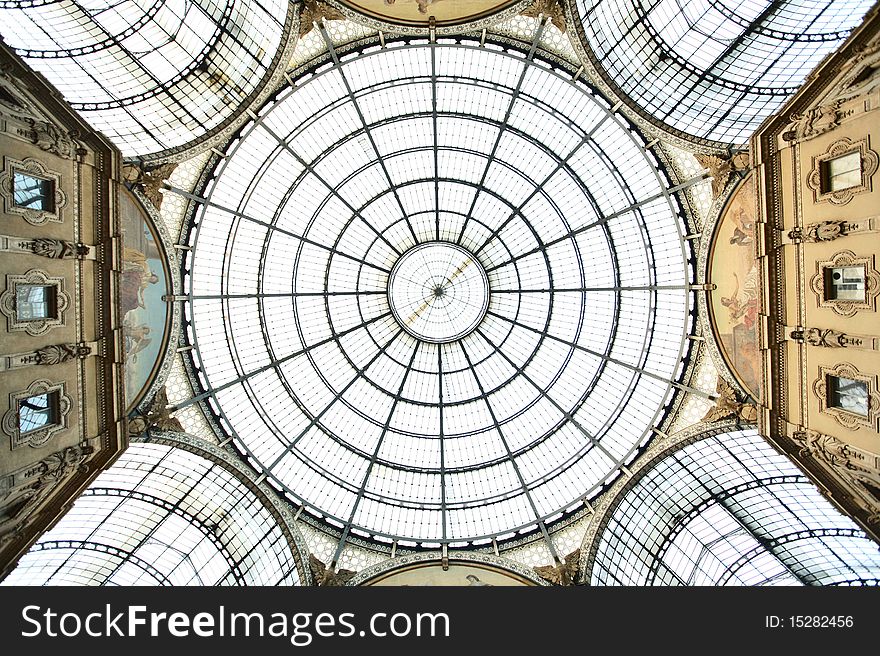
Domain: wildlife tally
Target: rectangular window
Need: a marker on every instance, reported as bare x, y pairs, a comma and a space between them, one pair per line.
847, 394
845, 283
35, 302
36, 412
842, 172
33, 193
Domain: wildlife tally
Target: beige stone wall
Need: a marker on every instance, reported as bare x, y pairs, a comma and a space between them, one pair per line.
75, 355
805, 336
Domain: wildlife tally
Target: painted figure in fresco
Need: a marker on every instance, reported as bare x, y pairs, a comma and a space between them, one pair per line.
743, 229
423, 4
136, 340
135, 277
743, 303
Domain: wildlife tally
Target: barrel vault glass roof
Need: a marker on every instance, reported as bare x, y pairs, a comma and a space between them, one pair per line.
164, 515
729, 510
150, 74
714, 68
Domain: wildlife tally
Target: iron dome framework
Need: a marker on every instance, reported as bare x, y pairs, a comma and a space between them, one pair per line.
724, 508
172, 512
152, 74
391, 437
713, 69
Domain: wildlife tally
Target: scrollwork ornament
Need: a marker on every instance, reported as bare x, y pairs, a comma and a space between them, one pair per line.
33, 277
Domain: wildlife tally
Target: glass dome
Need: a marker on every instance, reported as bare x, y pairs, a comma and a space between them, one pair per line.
151, 74
709, 68
456, 177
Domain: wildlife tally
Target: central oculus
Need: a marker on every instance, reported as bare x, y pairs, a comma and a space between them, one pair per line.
438, 292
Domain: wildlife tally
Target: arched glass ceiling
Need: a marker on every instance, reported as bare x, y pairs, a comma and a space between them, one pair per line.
714, 68
729, 510
163, 516
427, 434
150, 74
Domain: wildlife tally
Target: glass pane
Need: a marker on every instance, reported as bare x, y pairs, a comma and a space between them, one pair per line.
845, 171
34, 302
36, 412
845, 283
33, 193
847, 394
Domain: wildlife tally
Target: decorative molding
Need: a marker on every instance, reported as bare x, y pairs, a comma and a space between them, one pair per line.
42, 435
816, 121
52, 139
869, 162
436, 557
845, 418
552, 9
156, 415
23, 490
328, 577
33, 277
563, 574
860, 72
722, 168
847, 308
148, 180
730, 404
56, 249
838, 455
830, 338
35, 168
315, 11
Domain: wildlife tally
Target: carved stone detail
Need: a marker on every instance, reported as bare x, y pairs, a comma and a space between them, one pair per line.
847, 308
565, 573
148, 180
40, 326
58, 249
860, 72
843, 146
824, 231
156, 416
22, 491
830, 338
7, 191
41, 436
847, 419
815, 121
52, 139
552, 9
58, 353
730, 405
326, 576
839, 455
314, 11
722, 168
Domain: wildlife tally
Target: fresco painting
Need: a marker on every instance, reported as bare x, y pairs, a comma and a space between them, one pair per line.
418, 11
734, 302
142, 284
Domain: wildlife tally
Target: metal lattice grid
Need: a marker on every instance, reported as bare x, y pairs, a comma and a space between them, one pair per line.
557, 200
163, 516
709, 68
150, 74
728, 510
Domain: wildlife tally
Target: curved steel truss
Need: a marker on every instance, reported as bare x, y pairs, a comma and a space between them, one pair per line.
728, 510
495, 432
712, 68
